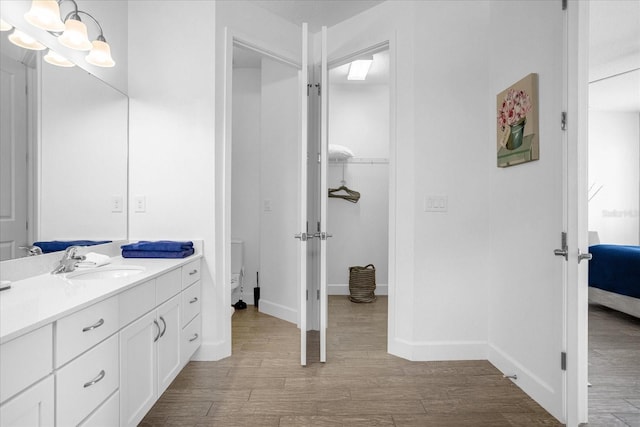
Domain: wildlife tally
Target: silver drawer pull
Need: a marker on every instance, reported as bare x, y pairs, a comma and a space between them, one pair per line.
95, 380
195, 299
165, 326
94, 326
193, 338
155, 322
192, 272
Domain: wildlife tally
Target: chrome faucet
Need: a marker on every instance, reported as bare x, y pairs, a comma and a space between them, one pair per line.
69, 261
32, 250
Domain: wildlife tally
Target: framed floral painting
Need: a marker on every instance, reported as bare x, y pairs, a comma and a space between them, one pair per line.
517, 123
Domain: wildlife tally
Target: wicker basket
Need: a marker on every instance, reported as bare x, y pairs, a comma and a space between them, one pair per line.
362, 283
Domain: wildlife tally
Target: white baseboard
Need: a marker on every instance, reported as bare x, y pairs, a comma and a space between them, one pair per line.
209, 352
531, 384
431, 351
279, 311
337, 289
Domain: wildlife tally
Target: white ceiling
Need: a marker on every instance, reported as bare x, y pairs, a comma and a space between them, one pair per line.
316, 12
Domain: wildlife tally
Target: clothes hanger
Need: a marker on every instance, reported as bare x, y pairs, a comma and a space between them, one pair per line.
350, 196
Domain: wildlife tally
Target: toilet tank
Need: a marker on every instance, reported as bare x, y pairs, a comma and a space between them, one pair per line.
237, 256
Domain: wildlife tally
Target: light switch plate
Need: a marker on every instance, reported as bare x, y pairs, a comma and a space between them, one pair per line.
140, 203
436, 204
116, 204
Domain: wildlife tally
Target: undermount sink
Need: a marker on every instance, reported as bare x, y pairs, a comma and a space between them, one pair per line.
106, 272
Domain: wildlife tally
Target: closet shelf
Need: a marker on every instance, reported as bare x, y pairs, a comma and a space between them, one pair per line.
360, 160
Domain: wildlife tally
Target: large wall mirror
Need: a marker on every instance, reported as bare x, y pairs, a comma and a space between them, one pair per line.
64, 154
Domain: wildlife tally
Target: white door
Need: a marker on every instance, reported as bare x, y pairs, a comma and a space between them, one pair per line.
527, 329
13, 159
34, 407
168, 343
324, 138
303, 225
138, 369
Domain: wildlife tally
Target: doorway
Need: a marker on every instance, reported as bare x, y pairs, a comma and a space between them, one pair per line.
358, 173
613, 206
264, 188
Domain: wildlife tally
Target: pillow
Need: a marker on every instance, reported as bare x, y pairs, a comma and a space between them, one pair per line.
339, 152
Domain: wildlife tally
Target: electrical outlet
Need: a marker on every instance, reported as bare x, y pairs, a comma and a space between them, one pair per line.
140, 203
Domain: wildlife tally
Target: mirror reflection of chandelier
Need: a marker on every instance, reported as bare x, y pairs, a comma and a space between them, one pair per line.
71, 32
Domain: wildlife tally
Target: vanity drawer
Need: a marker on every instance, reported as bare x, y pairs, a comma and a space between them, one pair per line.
190, 273
25, 360
86, 382
136, 302
190, 303
168, 285
108, 414
191, 338
84, 329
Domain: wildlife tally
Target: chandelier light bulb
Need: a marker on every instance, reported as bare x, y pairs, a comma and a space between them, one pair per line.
24, 40
5, 26
100, 55
45, 14
54, 58
75, 35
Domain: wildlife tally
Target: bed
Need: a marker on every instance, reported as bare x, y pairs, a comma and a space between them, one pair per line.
614, 277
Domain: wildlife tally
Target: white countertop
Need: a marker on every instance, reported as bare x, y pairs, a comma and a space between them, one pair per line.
39, 300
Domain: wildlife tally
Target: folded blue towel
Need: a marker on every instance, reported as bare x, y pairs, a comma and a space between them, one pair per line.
58, 245
158, 246
157, 254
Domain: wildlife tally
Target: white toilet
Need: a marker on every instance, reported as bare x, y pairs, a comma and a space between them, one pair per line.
237, 269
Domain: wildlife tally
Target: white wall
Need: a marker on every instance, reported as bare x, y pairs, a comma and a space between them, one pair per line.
614, 165
83, 157
245, 179
359, 119
172, 139
438, 310
279, 177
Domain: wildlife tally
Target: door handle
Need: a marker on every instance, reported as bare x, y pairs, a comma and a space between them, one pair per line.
587, 256
561, 252
304, 236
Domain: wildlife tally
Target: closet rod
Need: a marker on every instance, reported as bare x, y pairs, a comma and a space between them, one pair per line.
360, 160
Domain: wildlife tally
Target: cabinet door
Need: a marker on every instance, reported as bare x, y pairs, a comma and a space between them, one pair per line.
169, 343
138, 375
33, 407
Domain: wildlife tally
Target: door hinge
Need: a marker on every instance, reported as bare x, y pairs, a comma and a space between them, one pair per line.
318, 86
26, 225
307, 294
564, 249
319, 158
563, 361
563, 121
564, 4
318, 294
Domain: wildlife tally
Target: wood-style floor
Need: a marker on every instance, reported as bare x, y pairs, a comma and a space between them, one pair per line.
263, 384
614, 368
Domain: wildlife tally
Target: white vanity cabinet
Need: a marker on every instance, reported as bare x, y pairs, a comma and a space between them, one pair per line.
107, 363
26, 398
191, 336
150, 348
